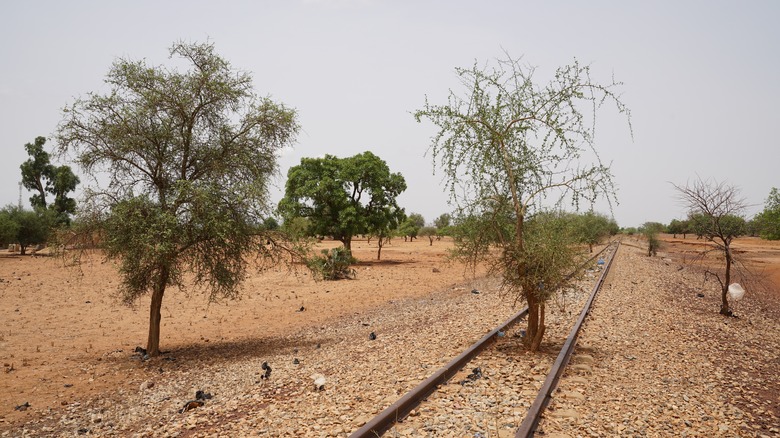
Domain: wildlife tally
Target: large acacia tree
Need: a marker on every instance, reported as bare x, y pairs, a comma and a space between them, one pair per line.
186, 157
343, 197
505, 144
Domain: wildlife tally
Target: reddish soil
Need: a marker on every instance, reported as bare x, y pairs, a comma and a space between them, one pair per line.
61, 324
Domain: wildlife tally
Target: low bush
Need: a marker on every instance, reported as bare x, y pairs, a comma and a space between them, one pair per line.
332, 265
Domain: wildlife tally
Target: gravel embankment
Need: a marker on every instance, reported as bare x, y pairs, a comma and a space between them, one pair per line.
656, 359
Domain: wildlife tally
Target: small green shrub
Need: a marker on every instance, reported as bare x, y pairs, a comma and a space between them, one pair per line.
653, 244
332, 265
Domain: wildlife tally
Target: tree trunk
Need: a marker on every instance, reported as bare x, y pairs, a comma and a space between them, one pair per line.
379, 252
22, 249
536, 342
347, 241
724, 297
532, 323
153, 342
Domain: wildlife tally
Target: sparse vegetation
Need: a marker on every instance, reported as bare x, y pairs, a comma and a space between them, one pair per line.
650, 231
335, 264
716, 209
514, 143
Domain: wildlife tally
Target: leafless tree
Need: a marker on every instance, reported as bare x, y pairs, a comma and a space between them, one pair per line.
721, 208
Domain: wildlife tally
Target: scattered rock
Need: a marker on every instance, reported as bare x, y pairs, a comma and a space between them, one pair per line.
476, 374
267, 369
190, 405
319, 382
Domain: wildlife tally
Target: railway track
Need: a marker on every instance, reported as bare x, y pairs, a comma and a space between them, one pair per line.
411, 401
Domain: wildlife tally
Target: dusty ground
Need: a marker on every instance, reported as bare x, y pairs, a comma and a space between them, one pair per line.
56, 320
64, 340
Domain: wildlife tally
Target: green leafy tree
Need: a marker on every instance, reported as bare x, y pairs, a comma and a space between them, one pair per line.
36, 171
187, 156
698, 224
26, 227
383, 224
9, 228
343, 197
430, 232
63, 181
591, 228
769, 219
443, 221
716, 210
270, 223
443, 224
506, 146
297, 228
410, 227
40, 176
650, 230
676, 227
754, 227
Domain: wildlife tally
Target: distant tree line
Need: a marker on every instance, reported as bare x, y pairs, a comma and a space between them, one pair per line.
765, 224
27, 228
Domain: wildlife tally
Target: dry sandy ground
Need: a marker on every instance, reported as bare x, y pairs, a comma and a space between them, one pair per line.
55, 319
61, 327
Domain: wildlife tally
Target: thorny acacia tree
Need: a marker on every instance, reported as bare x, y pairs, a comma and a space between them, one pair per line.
505, 145
718, 209
188, 156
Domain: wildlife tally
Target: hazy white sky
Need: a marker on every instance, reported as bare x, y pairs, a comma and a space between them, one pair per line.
702, 78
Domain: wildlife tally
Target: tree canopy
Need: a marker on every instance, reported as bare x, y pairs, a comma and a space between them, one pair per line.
443, 221
343, 197
592, 227
187, 156
41, 177
676, 227
769, 218
25, 227
411, 226
509, 148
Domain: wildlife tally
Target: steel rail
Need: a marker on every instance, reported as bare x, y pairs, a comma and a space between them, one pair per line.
403, 406
528, 427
